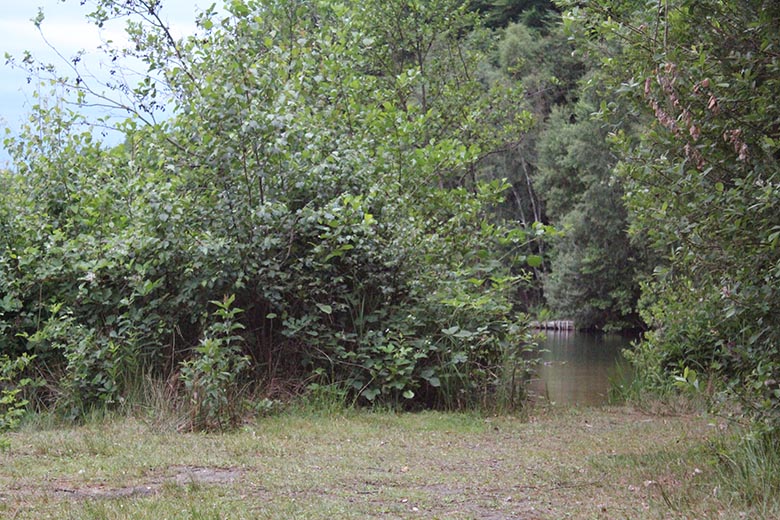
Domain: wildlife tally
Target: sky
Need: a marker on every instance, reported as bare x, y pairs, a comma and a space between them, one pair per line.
65, 28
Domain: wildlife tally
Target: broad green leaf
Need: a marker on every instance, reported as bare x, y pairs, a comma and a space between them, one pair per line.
534, 261
371, 393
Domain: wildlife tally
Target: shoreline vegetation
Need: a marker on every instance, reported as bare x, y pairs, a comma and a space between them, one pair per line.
360, 204
314, 462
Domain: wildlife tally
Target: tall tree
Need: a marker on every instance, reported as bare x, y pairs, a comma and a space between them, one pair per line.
538, 66
596, 267
703, 178
501, 13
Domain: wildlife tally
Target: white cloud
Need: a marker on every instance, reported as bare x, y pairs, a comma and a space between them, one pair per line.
66, 29
68, 37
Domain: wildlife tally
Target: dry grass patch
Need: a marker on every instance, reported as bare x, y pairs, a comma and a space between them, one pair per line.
594, 463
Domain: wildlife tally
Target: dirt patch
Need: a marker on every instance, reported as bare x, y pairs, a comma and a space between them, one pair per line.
200, 475
180, 475
107, 492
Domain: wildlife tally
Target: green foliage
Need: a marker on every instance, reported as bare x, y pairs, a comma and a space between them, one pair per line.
544, 63
688, 381
12, 403
500, 13
749, 471
212, 375
311, 165
702, 180
537, 67
595, 265
562, 172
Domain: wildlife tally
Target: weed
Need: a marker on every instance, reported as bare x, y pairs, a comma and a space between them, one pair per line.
749, 472
210, 377
12, 405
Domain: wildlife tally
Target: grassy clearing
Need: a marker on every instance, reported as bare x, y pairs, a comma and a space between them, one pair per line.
594, 463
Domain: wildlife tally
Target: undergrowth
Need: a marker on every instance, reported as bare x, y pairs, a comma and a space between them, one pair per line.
744, 460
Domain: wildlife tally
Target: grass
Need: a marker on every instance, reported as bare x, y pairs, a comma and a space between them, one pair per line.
598, 463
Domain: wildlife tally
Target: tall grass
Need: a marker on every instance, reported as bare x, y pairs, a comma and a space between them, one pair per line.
746, 464
749, 472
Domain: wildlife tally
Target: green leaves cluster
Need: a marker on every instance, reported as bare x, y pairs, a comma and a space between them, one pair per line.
702, 180
595, 266
562, 172
313, 164
12, 387
210, 376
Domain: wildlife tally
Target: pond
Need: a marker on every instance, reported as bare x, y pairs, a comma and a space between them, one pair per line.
577, 368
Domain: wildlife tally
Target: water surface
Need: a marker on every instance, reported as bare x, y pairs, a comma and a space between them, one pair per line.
577, 367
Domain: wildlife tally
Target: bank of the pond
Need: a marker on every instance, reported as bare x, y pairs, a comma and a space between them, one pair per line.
586, 463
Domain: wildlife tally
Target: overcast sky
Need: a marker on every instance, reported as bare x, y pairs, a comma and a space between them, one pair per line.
66, 29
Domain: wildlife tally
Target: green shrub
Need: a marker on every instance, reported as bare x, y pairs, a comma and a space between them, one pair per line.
334, 201
12, 403
213, 375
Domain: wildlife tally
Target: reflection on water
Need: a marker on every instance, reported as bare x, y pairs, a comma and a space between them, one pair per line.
577, 367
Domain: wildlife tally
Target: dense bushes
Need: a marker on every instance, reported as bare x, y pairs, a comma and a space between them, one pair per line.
292, 178
702, 181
